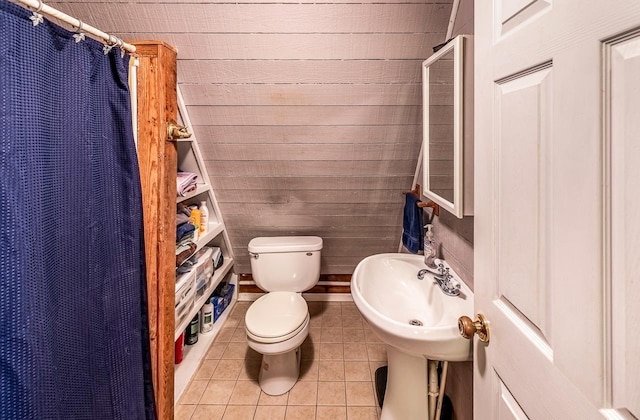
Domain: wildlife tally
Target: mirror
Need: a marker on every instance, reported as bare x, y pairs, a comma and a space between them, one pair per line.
442, 147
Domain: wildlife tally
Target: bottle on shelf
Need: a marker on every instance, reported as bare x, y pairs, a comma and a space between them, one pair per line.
191, 336
196, 220
204, 218
206, 317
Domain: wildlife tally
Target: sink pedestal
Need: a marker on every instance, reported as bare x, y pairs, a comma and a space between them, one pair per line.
407, 383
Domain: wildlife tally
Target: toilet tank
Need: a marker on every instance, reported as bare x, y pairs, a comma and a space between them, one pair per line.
285, 263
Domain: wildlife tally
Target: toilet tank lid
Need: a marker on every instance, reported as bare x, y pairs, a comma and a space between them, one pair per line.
285, 244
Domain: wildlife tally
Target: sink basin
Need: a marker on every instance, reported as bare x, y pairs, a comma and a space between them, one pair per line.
419, 325
386, 290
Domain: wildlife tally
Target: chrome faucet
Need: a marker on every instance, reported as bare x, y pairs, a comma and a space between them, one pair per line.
449, 285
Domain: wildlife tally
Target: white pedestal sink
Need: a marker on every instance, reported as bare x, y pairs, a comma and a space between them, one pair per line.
416, 320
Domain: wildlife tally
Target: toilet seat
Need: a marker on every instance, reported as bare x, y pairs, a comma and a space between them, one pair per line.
276, 317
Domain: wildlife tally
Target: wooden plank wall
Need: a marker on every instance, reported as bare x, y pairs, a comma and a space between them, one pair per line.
308, 113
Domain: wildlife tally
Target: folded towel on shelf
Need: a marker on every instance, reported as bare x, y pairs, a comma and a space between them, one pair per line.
412, 233
188, 238
186, 254
181, 218
183, 229
186, 182
182, 209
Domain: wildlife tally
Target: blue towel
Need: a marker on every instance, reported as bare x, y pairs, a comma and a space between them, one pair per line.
412, 233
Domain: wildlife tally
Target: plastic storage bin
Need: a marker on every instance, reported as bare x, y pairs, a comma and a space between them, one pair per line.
185, 295
203, 271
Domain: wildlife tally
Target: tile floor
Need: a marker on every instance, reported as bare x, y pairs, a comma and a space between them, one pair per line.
339, 359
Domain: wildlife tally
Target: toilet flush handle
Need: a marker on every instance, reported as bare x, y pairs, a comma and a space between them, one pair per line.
254, 255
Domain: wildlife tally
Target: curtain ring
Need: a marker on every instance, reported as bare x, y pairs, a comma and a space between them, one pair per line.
120, 44
37, 18
110, 44
79, 35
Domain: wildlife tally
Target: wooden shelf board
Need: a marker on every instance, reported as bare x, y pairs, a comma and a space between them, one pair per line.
201, 188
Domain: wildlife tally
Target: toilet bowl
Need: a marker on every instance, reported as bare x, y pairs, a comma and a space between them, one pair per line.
277, 323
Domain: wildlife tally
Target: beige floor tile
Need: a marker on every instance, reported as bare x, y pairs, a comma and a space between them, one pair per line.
228, 369
240, 350
237, 318
370, 336
315, 309
315, 321
331, 393
241, 308
314, 335
355, 351
206, 369
184, 411
250, 369
239, 412
350, 309
331, 335
353, 335
360, 393
311, 344
208, 412
194, 392
357, 371
300, 412
310, 350
232, 322
362, 413
331, 370
217, 392
303, 393
331, 321
225, 334
245, 393
331, 413
377, 352
331, 351
333, 308
354, 322
338, 361
273, 412
239, 335
266, 399
216, 350
309, 370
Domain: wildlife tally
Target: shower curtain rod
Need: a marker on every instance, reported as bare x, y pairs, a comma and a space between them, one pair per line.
76, 23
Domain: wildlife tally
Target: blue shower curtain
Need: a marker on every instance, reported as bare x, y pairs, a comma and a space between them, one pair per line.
73, 323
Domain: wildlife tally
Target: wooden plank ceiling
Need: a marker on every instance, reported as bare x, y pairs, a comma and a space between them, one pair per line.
308, 113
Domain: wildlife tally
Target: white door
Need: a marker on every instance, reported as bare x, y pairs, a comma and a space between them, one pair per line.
557, 193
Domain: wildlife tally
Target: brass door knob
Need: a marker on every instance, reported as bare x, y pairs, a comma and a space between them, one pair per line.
480, 326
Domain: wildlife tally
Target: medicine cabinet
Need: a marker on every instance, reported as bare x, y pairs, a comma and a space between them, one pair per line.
447, 129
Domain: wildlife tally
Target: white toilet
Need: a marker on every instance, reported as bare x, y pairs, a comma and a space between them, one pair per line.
277, 323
